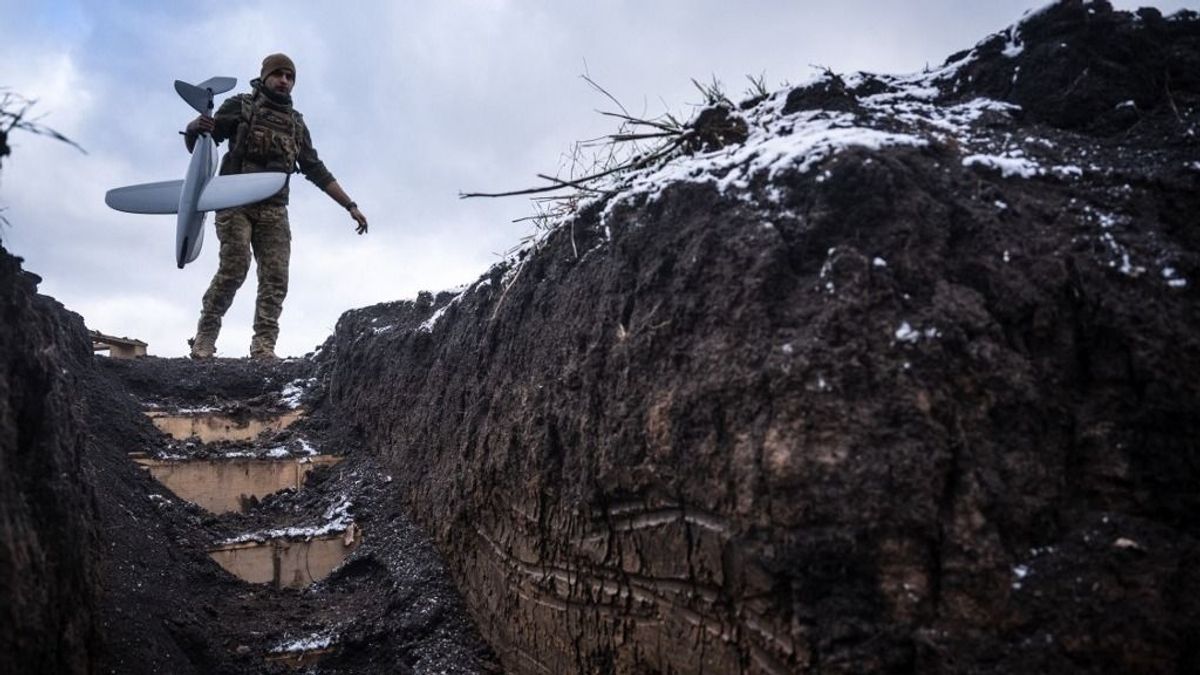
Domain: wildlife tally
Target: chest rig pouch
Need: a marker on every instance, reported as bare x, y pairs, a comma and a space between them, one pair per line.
267, 139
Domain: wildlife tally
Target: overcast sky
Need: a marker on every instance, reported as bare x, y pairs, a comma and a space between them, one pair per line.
408, 103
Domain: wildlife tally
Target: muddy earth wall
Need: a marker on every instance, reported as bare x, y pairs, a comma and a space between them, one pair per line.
896, 413
48, 568
94, 576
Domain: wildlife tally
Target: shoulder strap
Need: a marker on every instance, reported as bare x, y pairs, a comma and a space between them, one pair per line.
247, 108
237, 149
297, 123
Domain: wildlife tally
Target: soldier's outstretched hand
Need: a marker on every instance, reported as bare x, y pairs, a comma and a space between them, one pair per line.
360, 219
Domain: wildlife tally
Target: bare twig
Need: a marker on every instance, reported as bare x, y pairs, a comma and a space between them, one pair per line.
604, 91
758, 86
13, 115
637, 163
511, 193
637, 143
578, 185
674, 127
636, 137
713, 92
504, 293
1170, 98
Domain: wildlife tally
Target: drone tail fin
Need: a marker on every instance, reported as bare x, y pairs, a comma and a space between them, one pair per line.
200, 96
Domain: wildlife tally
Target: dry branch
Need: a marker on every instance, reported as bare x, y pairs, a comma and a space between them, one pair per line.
13, 111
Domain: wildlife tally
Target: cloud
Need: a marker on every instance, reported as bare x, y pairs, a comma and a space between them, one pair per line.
409, 104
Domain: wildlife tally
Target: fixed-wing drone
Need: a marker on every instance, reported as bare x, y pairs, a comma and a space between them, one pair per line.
199, 191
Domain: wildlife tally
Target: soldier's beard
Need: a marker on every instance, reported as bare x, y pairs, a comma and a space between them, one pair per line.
272, 96
277, 98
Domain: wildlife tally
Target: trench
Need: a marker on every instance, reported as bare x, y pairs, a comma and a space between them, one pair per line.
234, 480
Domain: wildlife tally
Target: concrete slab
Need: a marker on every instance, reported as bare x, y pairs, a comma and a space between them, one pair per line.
213, 427
287, 564
223, 485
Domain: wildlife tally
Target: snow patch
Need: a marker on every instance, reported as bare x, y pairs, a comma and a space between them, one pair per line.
429, 324
1121, 260
776, 143
336, 519
307, 448
202, 410
1013, 49
1019, 574
820, 384
906, 333
1169, 274
1008, 166
294, 391
827, 269
1066, 171
319, 640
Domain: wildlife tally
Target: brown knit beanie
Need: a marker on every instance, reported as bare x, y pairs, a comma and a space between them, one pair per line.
276, 62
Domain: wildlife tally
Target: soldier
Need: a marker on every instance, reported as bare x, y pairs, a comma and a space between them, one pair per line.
267, 134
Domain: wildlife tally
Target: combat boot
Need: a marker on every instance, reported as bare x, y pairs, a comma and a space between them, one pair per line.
204, 345
262, 349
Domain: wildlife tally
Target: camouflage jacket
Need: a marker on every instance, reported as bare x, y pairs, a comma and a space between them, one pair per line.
267, 136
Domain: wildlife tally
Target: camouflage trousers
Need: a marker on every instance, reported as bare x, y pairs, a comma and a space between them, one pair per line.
262, 229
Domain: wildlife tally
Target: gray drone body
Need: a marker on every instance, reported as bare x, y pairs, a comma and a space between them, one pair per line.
201, 190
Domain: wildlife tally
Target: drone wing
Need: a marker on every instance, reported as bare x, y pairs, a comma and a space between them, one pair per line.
160, 197
226, 192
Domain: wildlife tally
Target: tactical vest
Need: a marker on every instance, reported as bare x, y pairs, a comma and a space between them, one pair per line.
267, 139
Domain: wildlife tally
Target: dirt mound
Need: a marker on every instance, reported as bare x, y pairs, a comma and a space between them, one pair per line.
900, 382
1083, 66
